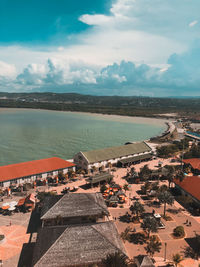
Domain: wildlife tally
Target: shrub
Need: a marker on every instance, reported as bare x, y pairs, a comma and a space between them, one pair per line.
179, 231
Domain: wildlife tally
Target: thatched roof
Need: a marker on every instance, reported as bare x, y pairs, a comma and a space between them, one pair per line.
74, 205
116, 152
144, 261
76, 245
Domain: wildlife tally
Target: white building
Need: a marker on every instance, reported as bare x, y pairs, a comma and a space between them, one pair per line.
30, 171
113, 155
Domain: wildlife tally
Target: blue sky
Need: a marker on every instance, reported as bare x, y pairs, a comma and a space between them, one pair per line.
119, 47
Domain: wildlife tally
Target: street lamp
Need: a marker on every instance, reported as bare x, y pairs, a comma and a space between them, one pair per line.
165, 251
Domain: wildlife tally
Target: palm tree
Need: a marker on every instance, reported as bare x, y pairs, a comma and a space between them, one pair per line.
125, 235
149, 225
153, 246
125, 187
177, 259
137, 208
165, 198
115, 260
145, 172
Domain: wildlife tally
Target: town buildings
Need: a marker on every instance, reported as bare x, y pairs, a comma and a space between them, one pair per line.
129, 153
74, 231
30, 171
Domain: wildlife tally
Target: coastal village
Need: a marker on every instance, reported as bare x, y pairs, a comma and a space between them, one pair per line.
136, 204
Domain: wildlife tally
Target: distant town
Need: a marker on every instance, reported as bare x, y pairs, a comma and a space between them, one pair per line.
137, 204
119, 105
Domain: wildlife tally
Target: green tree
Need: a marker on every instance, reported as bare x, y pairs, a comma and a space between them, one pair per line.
125, 187
179, 231
146, 187
125, 235
177, 258
115, 260
153, 246
165, 198
137, 208
149, 225
145, 172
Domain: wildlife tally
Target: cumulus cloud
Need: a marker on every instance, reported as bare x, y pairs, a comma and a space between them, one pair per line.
193, 23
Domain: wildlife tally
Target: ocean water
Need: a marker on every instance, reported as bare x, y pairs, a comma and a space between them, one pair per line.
34, 134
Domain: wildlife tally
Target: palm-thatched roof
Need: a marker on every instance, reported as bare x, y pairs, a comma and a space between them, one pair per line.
76, 245
74, 205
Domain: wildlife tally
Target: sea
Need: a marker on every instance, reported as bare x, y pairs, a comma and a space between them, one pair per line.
27, 134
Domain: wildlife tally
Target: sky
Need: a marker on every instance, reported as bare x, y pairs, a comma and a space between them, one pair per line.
101, 47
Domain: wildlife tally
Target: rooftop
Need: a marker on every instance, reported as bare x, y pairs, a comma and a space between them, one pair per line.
194, 162
74, 205
76, 245
190, 184
116, 152
24, 169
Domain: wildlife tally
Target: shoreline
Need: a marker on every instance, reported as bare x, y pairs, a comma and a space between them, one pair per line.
162, 122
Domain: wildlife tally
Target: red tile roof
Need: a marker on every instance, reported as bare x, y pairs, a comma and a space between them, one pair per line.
24, 169
195, 163
190, 184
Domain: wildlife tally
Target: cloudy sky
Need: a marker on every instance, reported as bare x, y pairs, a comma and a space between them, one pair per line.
101, 47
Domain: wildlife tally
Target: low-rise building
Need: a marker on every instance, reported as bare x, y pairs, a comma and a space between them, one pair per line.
112, 155
190, 186
73, 208
194, 164
30, 171
76, 245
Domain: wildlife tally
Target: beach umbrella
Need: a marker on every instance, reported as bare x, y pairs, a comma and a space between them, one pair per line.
13, 203
11, 208
5, 204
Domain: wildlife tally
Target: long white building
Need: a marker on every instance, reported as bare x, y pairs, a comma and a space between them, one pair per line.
102, 157
30, 171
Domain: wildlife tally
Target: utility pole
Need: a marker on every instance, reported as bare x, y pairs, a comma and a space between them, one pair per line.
165, 252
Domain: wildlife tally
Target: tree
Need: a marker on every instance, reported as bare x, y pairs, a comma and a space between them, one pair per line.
137, 208
194, 251
153, 246
125, 235
149, 225
146, 187
115, 260
179, 231
165, 198
125, 187
145, 172
177, 258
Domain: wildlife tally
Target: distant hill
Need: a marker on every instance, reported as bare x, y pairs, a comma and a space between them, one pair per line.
127, 105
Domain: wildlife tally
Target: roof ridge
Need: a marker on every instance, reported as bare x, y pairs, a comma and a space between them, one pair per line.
54, 205
67, 228
98, 204
101, 233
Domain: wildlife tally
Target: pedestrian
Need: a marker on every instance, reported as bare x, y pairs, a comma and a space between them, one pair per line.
190, 224
186, 221
10, 223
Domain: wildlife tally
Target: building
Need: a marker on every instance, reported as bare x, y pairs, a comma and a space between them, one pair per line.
190, 186
112, 155
74, 230
194, 164
143, 261
27, 172
76, 245
73, 208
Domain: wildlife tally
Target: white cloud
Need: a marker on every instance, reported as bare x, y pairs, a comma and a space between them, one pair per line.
7, 70
193, 23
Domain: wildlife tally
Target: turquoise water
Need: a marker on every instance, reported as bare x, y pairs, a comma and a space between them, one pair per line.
35, 134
